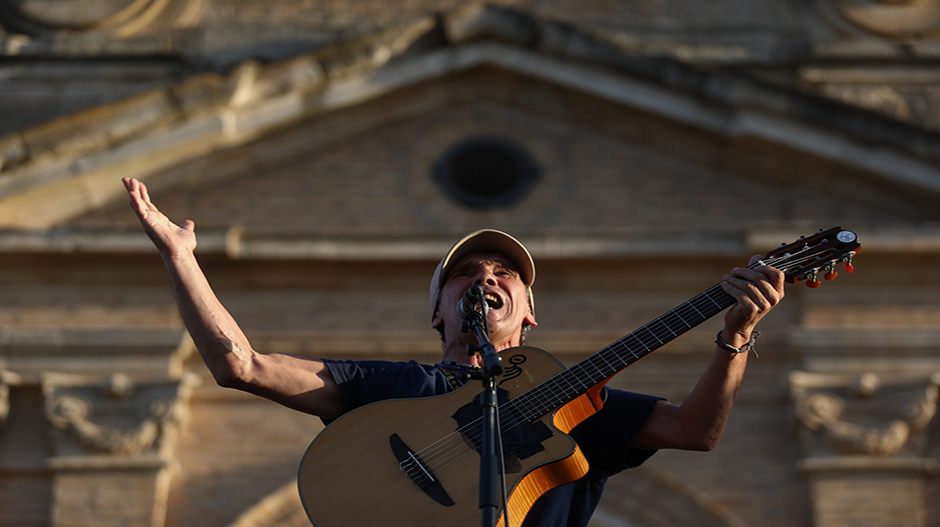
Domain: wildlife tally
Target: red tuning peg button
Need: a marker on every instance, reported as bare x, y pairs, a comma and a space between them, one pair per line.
813, 284
849, 267
831, 275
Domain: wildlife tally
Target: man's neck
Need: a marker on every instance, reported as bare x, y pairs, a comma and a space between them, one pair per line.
457, 352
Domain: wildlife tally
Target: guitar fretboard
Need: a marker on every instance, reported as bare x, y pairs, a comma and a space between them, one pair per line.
578, 379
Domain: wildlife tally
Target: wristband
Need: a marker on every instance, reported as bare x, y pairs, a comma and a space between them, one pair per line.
743, 349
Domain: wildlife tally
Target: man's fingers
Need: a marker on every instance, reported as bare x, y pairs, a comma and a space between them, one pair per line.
137, 189
145, 194
133, 190
761, 285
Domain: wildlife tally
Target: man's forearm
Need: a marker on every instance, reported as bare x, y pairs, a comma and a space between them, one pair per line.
699, 421
220, 341
706, 410
300, 383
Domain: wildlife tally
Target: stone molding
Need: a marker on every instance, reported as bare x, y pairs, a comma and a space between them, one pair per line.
139, 353
868, 414
235, 243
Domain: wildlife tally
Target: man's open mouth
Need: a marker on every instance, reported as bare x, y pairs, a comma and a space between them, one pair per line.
493, 301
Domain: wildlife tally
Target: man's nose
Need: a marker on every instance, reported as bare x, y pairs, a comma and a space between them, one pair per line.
486, 277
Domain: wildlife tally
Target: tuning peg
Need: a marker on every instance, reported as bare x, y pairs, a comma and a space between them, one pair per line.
811, 280
831, 273
847, 262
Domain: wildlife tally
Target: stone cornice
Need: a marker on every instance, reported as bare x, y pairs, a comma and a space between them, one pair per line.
141, 353
235, 243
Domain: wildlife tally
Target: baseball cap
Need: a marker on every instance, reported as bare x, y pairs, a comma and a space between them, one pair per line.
485, 240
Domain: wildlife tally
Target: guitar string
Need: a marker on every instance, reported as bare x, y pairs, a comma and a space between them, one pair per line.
440, 453
467, 430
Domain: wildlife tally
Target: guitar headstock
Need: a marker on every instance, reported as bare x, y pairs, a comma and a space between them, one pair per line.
805, 258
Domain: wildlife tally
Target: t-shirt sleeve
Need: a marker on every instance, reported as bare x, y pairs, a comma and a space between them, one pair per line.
365, 382
604, 436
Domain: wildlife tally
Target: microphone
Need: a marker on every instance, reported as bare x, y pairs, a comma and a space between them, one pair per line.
469, 301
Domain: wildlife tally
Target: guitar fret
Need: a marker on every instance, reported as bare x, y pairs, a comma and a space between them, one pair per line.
577, 378
648, 350
690, 304
609, 365
713, 301
568, 382
674, 312
650, 331
528, 410
596, 368
663, 323
622, 345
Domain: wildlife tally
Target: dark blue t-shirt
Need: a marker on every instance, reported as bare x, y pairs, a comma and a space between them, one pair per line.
602, 437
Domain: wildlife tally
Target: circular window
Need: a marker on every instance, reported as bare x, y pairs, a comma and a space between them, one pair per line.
486, 172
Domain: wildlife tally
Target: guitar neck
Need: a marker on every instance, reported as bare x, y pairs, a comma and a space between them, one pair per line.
578, 379
800, 260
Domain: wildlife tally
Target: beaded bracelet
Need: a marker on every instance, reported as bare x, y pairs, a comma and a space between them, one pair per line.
743, 349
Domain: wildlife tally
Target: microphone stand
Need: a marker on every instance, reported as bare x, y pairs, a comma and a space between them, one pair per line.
492, 368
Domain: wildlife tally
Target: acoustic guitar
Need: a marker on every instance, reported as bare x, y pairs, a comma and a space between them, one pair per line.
415, 462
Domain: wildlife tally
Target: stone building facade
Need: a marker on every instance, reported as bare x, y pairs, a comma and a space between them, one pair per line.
330, 152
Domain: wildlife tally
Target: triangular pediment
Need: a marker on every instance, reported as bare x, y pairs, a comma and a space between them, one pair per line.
344, 143
369, 172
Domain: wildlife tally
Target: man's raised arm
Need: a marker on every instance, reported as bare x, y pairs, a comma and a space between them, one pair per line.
699, 421
299, 383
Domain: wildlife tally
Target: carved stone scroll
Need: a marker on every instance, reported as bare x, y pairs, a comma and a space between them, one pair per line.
116, 415
863, 414
864, 437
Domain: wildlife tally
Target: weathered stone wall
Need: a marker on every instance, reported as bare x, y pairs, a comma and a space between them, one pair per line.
320, 233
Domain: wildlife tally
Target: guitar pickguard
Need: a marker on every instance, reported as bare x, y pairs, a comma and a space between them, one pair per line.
520, 439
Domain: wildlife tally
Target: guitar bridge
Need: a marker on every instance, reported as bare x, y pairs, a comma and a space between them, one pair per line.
410, 463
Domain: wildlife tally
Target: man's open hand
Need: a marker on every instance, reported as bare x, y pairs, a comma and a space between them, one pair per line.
171, 239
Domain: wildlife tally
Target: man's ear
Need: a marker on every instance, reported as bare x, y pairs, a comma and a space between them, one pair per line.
530, 317
438, 320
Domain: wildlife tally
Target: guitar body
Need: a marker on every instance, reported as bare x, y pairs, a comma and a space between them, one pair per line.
350, 476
